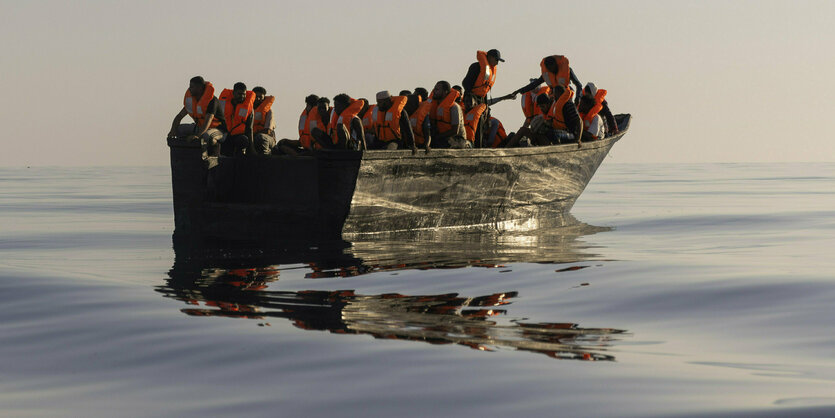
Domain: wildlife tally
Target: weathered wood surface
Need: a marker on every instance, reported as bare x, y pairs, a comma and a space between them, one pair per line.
354, 192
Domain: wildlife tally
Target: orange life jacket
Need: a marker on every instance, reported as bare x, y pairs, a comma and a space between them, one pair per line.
344, 118
555, 117
563, 75
486, 76
598, 106
529, 106
367, 121
197, 110
440, 112
315, 120
387, 124
416, 120
261, 111
471, 120
236, 115
501, 134
588, 117
304, 128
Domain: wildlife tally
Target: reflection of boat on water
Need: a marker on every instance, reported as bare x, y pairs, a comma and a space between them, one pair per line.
558, 241
554, 242
352, 192
241, 283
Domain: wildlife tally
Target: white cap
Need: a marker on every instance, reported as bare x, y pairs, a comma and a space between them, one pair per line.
383, 95
591, 88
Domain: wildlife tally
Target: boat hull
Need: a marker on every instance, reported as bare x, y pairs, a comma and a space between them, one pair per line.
342, 193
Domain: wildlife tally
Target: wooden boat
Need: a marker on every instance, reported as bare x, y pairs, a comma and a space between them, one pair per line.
335, 194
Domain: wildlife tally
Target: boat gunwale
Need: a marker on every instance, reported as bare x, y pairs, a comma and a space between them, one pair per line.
378, 155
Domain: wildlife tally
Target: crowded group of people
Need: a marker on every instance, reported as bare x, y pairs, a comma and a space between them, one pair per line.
558, 109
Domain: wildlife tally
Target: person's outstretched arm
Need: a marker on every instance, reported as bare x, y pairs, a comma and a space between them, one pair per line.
176, 124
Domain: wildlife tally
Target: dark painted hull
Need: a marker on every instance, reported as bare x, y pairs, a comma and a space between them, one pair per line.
338, 193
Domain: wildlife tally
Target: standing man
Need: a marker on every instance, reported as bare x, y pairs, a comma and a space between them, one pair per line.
264, 123
200, 103
482, 75
480, 79
237, 105
555, 71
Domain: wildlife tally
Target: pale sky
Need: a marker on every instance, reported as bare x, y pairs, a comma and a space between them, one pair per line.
98, 82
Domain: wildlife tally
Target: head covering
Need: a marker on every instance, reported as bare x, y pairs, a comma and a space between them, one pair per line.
383, 95
495, 53
591, 89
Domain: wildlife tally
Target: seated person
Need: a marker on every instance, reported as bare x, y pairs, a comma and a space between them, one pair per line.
367, 123
344, 130
318, 121
460, 98
422, 93
412, 103
264, 123
238, 114
391, 123
475, 117
447, 118
496, 134
304, 143
200, 103
559, 122
528, 102
420, 121
592, 106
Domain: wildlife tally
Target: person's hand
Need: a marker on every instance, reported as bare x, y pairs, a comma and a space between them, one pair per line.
191, 138
579, 144
513, 97
414, 150
427, 150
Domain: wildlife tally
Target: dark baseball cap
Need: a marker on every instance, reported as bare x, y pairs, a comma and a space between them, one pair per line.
495, 53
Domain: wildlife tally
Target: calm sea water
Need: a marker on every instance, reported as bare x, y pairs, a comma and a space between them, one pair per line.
678, 290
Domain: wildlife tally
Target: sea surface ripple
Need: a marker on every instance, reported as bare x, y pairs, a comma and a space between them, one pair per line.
671, 290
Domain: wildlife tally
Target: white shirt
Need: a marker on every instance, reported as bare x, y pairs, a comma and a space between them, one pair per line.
455, 114
597, 127
269, 121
